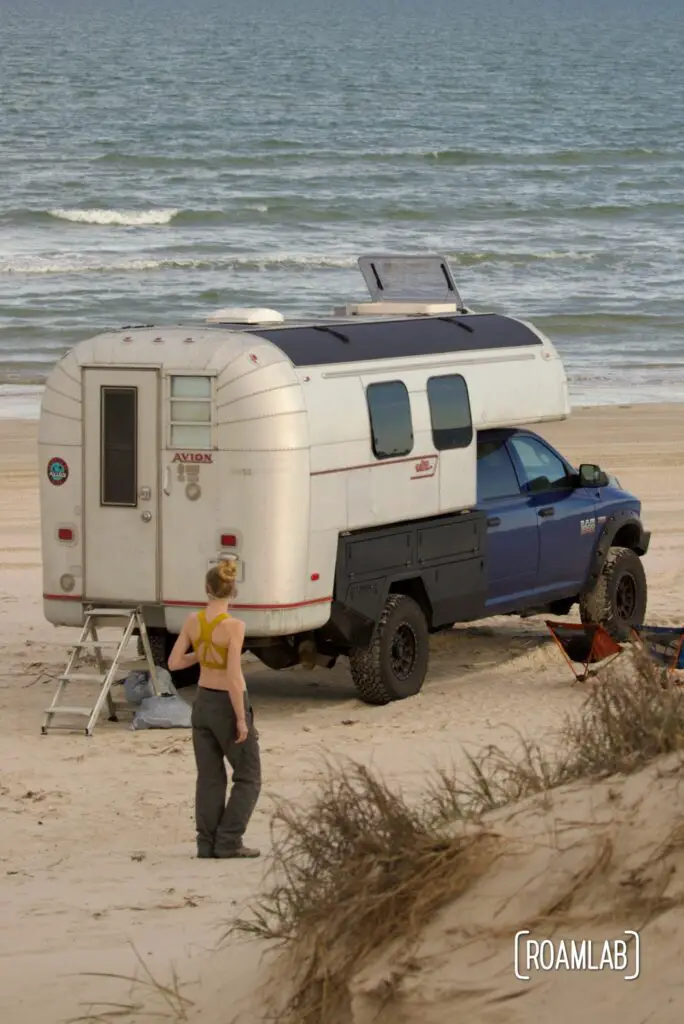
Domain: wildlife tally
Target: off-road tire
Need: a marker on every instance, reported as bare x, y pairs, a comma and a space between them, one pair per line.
157, 646
374, 669
617, 600
161, 644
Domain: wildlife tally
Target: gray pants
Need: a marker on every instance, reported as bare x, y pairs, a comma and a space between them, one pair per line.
221, 826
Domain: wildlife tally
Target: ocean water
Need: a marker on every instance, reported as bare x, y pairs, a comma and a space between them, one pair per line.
161, 158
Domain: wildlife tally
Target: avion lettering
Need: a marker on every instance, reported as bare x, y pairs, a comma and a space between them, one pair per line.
193, 457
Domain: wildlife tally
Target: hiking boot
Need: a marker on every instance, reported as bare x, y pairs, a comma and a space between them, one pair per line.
205, 851
235, 852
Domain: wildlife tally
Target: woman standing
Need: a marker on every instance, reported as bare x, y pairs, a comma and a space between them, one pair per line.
222, 720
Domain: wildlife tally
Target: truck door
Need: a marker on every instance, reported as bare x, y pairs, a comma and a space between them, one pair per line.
512, 526
121, 485
566, 514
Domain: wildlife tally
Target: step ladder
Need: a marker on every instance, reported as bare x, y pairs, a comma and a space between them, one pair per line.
130, 620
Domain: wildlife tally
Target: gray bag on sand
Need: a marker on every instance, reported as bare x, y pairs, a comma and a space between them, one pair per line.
165, 683
163, 712
137, 686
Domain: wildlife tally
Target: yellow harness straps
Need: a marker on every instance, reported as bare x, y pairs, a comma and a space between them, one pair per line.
210, 654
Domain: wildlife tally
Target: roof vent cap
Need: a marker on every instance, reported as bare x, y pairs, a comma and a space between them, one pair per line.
245, 315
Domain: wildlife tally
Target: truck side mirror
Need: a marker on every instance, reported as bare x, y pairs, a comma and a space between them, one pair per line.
592, 476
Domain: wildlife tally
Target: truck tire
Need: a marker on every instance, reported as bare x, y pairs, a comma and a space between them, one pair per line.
394, 664
617, 600
161, 644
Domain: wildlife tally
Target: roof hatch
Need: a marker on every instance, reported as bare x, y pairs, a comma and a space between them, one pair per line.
410, 285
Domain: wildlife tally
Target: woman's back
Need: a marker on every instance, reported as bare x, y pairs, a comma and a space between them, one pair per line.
217, 638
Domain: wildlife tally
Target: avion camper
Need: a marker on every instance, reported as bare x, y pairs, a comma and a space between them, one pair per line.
335, 459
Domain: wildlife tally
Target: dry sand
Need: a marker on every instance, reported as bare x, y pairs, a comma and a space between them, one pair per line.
97, 844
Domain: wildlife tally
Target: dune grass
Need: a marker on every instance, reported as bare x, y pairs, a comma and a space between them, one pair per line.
359, 867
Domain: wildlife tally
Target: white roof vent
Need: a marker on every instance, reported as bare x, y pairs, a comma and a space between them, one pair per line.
245, 315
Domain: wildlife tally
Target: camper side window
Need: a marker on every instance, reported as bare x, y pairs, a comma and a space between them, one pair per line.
389, 409
190, 417
452, 425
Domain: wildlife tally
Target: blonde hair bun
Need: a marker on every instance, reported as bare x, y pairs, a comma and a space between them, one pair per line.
228, 571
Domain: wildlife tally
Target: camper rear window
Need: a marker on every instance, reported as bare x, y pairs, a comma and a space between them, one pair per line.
190, 414
452, 425
390, 418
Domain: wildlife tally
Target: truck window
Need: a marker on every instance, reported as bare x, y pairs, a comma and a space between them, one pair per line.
119, 439
496, 477
544, 471
452, 425
389, 409
190, 414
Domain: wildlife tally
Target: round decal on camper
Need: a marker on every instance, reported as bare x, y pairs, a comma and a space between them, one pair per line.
57, 471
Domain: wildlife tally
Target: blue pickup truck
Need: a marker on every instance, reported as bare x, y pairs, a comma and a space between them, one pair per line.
546, 536
558, 536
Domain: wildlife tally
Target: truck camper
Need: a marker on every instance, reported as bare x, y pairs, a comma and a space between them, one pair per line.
336, 460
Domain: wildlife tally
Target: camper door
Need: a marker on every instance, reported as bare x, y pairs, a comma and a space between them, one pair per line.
121, 485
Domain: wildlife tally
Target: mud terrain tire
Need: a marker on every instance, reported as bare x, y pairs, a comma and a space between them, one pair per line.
617, 600
161, 644
394, 664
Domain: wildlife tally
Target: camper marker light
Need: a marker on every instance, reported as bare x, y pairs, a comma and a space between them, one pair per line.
228, 540
315, 576
64, 533
67, 582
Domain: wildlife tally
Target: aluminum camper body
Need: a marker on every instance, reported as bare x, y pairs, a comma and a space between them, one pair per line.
164, 449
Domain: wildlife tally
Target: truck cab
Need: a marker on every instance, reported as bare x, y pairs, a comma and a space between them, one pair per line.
558, 535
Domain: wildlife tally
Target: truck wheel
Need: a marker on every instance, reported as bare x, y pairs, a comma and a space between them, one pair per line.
617, 600
161, 644
394, 664
157, 646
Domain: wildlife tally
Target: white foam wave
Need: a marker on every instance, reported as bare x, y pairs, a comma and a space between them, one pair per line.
39, 265
121, 218
67, 265
259, 207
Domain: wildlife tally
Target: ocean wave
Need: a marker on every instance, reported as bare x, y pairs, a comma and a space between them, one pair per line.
603, 324
121, 218
68, 265
56, 265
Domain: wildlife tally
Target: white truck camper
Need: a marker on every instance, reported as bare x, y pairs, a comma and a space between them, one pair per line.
335, 459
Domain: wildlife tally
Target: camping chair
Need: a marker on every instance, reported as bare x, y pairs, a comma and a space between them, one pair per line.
664, 644
585, 645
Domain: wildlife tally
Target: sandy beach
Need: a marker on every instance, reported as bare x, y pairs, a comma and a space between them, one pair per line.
97, 838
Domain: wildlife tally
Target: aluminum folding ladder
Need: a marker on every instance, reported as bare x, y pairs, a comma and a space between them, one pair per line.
130, 620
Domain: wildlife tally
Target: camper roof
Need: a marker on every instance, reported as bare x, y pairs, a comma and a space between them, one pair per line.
355, 340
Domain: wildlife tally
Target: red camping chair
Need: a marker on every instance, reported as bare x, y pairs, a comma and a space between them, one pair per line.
585, 645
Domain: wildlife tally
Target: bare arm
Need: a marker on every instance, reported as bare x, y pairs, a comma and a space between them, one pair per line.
236, 684
179, 658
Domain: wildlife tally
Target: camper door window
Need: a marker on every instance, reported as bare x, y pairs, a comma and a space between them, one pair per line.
389, 409
118, 438
190, 416
452, 425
